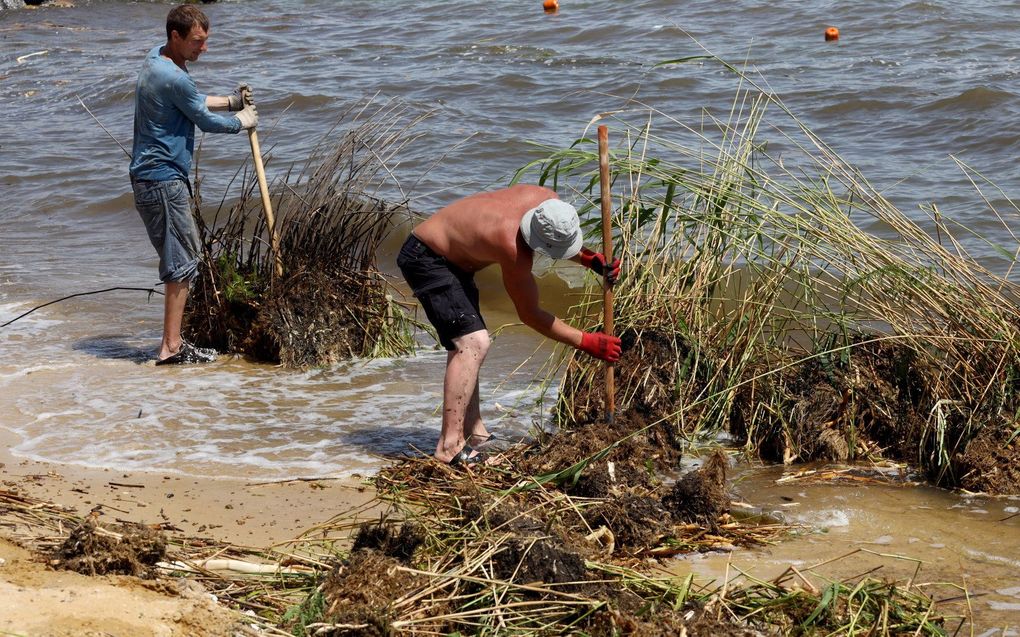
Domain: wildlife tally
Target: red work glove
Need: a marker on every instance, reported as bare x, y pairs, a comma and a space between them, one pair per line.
596, 262
600, 345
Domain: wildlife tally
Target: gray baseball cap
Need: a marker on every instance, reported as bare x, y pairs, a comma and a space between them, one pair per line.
552, 228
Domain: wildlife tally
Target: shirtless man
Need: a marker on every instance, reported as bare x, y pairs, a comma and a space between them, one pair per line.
439, 260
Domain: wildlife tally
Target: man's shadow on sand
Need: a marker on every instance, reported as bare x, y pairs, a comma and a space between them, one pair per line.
115, 347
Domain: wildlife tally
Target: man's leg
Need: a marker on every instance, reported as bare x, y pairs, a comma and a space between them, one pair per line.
474, 429
176, 296
460, 392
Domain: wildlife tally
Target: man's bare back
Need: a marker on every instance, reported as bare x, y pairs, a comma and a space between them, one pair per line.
438, 262
482, 229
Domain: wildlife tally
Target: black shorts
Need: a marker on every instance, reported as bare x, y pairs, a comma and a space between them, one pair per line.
448, 294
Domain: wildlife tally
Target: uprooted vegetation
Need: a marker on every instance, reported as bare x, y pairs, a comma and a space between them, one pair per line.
507, 551
802, 311
121, 549
502, 551
330, 302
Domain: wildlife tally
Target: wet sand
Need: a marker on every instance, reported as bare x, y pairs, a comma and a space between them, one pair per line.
35, 600
247, 513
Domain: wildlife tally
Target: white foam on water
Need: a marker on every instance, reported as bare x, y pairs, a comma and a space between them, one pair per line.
1011, 606
825, 518
233, 419
33, 324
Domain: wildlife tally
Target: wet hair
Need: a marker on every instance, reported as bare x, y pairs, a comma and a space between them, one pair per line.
181, 19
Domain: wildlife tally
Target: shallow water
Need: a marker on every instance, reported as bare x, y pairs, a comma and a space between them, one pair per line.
908, 85
946, 543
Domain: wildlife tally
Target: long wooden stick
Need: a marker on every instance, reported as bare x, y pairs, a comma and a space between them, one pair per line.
267, 205
607, 250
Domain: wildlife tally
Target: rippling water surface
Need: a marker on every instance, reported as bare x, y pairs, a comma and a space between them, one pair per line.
908, 85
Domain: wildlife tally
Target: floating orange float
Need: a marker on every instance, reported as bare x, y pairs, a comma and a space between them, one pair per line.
832, 33
551, 6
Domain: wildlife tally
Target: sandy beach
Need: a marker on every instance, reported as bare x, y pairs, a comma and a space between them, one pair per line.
36, 600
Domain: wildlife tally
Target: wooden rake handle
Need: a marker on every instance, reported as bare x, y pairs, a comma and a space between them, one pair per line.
607, 250
267, 204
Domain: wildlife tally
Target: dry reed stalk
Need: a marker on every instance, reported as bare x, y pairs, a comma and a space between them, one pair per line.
332, 302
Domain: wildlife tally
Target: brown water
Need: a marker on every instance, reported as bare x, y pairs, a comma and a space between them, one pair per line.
908, 84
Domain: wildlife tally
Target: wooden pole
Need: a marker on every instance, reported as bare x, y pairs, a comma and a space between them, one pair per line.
607, 250
267, 205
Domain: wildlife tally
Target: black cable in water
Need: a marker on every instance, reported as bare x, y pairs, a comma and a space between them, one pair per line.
151, 291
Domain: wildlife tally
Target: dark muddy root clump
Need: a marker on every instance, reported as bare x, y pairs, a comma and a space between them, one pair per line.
544, 560
537, 550
356, 596
699, 496
614, 622
661, 621
837, 409
655, 374
495, 515
636, 459
990, 464
398, 544
127, 549
878, 400
597, 481
320, 297
325, 317
315, 317
637, 522
707, 624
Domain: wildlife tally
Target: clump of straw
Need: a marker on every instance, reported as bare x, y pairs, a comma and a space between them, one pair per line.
331, 303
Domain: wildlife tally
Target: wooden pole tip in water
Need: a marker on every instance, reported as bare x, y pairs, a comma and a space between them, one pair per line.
551, 6
831, 34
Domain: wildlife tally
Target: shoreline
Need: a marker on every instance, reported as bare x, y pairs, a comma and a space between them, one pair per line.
241, 512
35, 599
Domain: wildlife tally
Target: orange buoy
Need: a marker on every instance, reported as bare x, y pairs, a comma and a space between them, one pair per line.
551, 6
832, 33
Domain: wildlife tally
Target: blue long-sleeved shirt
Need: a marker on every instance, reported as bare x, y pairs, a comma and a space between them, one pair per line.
168, 106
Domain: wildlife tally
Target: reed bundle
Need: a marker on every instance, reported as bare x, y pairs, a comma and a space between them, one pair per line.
332, 302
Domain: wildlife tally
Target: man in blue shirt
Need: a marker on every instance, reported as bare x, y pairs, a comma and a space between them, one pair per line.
168, 106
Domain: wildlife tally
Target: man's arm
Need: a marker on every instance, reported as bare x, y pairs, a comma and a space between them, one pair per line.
193, 104
218, 102
523, 291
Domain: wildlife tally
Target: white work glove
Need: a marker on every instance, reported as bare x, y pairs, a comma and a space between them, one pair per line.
248, 116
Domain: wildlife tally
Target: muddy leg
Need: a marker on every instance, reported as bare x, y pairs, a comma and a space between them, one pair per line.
474, 429
460, 393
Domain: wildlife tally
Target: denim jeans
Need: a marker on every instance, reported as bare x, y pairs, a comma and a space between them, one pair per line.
165, 208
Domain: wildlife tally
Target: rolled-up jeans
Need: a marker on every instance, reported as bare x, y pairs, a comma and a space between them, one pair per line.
165, 208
